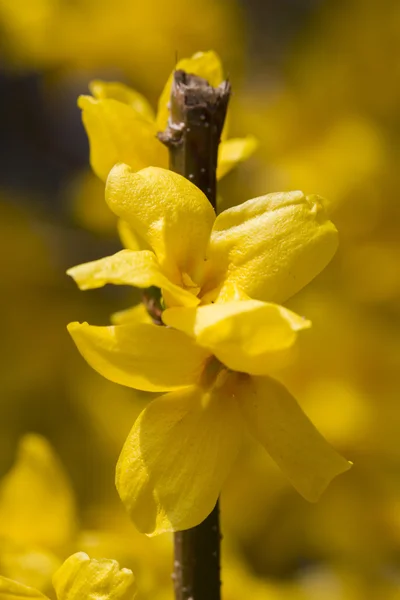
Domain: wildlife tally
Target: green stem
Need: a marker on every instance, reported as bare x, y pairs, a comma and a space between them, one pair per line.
197, 116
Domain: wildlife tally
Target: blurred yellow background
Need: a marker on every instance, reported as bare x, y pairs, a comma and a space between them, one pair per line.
318, 82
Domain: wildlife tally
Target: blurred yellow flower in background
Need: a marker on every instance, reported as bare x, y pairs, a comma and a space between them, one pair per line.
329, 123
39, 527
55, 34
37, 514
78, 578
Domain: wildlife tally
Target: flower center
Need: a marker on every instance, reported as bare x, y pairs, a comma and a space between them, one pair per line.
214, 374
189, 284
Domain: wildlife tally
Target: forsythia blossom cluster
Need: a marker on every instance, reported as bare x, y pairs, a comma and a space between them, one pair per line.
223, 281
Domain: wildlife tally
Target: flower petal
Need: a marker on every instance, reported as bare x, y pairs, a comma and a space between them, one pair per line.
233, 151
176, 458
36, 501
229, 293
30, 565
279, 424
171, 214
131, 316
130, 238
204, 64
103, 90
12, 590
83, 578
117, 133
129, 267
141, 356
271, 246
245, 335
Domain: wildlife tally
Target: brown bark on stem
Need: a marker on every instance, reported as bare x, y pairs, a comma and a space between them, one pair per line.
197, 116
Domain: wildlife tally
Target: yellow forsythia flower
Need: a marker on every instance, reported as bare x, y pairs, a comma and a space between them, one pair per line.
270, 247
79, 578
122, 126
37, 514
219, 350
36, 501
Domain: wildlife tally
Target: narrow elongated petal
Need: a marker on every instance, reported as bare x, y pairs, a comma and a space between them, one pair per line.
129, 267
176, 458
279, 424
141, 356
204, 64
82, 578
271, 246
36, 500
12, 590
233, 151
245, 335
117, 133
171, 214
103, 90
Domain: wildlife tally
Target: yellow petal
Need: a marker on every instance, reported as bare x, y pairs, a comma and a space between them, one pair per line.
128, 267
131, 316
82, 578
279, 424
30, 565
171, 214
141, 356
117, 133
245, 335
36, 500
233, 151
103, 90
130, 238
12, 590
176, 458
271, 246
204, 64
229, 293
